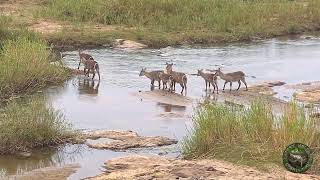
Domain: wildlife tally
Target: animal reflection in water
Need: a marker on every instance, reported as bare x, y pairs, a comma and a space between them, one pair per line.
88, 86
170, 107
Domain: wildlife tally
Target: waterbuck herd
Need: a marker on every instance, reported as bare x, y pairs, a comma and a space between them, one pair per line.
169, 78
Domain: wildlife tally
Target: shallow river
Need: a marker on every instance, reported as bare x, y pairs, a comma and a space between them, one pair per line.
112, 103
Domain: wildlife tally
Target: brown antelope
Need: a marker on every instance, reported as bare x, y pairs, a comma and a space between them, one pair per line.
178, 77
209, 78
83, 58
152, 75
237, 76
166, 79
92, 66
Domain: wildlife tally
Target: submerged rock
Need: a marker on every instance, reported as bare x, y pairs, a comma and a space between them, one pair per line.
128, 44
157, 167
122, 140
50, 173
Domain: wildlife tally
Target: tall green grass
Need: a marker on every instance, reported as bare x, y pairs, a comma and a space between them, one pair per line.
31, 123
250, 136
25, 64
239, 18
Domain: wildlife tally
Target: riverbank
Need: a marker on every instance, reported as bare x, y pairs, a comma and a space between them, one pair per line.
210, 23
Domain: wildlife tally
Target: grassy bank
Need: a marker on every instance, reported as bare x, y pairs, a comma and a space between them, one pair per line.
29, 124
188, 21
25, 62
252, 136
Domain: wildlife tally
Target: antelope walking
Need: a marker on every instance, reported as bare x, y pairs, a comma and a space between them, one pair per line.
178, 77
83, 58
152, 75
237, 76
209, 78
92, 66
166, 79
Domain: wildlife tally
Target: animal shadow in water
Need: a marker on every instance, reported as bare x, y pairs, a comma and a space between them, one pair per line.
88, 86
170, 107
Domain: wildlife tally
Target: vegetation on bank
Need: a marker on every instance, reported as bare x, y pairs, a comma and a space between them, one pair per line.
25, 67
249, 135
192, 21
25, 62
31, 123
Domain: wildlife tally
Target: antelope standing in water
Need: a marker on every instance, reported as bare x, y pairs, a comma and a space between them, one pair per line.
237, 76
152, 75
89, 64
209, 78
178, 77
166, 79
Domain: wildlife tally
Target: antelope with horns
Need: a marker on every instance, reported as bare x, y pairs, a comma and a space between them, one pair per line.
209, 78
152, 75
237, 76
178, 77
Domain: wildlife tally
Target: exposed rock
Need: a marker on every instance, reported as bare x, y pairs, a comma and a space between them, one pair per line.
49, 173
122, 140
274, 83
128, 44
24, 154
310, 96
156, 167
304, 86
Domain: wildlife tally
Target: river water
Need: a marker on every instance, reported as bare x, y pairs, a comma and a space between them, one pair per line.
112, 103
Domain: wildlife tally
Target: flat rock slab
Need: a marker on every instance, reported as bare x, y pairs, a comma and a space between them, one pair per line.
122, 140
128, 44
49, 173
157, 167
308, 92
165, 97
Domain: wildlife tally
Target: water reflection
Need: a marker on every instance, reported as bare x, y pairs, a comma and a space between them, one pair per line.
170, 107
88, 86
10, 164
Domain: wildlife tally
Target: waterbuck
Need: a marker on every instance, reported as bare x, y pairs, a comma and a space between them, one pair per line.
166, 79
83, 58
92, 66
237, 76
152, 75
209, 78
178, 77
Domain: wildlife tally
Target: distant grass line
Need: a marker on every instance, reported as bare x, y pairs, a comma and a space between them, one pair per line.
194, 20
31, 123
252, 136
25, 62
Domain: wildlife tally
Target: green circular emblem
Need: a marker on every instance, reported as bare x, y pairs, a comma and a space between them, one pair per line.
297, 158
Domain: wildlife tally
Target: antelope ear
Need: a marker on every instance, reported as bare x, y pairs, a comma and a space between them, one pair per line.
166, 63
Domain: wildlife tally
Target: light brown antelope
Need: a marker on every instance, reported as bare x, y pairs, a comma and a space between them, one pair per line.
178, 77
93, 67
166, 79
237, 76
152, 75
83, 58
209, 78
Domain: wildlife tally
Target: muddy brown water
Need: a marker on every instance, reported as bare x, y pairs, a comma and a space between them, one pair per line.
113, 103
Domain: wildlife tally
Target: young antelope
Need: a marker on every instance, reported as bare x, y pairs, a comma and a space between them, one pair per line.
209, 78
83, 58
92, 66
237, 76
152, 75
178, 77
166, 79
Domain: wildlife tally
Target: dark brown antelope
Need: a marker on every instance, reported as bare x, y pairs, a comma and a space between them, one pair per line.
237, 76
152, 75
178, 77
209, 78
